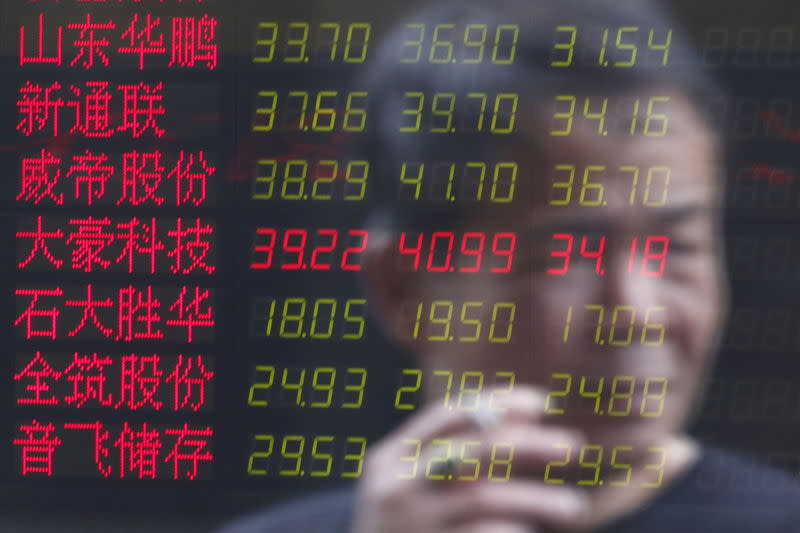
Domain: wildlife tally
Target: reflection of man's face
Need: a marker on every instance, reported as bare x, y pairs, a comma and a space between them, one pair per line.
622, 343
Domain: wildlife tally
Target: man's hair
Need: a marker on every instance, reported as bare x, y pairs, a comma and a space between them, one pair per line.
531, 76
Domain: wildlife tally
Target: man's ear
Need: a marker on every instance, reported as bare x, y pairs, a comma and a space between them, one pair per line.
391, 293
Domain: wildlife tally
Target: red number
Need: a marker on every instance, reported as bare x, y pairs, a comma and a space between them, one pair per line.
478, 254
267, 249
661, 256
507, 252
290, 248
416, 252
565, 254
451, 238
364, 235
597, 255
334, 235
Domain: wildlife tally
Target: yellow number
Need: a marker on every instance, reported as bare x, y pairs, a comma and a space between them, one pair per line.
479, 44
293, 317
482, 167
414, 112
471, 321
621, 466
600, 116
326, 112
358, 113
335, 40
565, 185
551, 464
413, 458
301, 43
586, 186
567, 116
354, 319
663, 47
297, 387
417, 43
648, 326
482, 97
658, 467
659, 397
592, 394
325, 387
474, 390
498, 101
329, 332
635, 172
261, 385
268, 43
494, 461
412, 389
634, 50
447, 45
266, 172
627, 396
328, 458
569, 46
650, 174
303, 95
600, 314
631, 324
350, 30
359, 388
656, 117
497, 36
447, 448
591, 464
448, 387
443, 113
512, 186
322, 179
270, 440
558, 394
359, 180
495, 312
511, 378
358, 457
446, 321
268, 112
464, 459
297, 455
291, 177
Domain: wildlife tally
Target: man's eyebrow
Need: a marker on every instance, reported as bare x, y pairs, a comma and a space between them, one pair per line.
596, 223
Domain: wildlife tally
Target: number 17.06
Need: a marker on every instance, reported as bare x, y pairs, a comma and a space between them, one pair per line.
620, 331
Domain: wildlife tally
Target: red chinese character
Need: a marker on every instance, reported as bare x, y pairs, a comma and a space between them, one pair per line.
40, 57
189, 314
91, 172
140, 106
191, 174
193, 41
140, 378
137, 308
100, 449
90, 312
90, 239
140, 239
30, 313
40, 237
142, 41
138, 451
142, 174
37, 107
191, 249
190, 377
40, 175
92, 110
43, 375
189, 447
88, 43
88, 377
38, 448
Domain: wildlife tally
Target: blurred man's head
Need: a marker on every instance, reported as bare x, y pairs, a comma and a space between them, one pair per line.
606, 190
